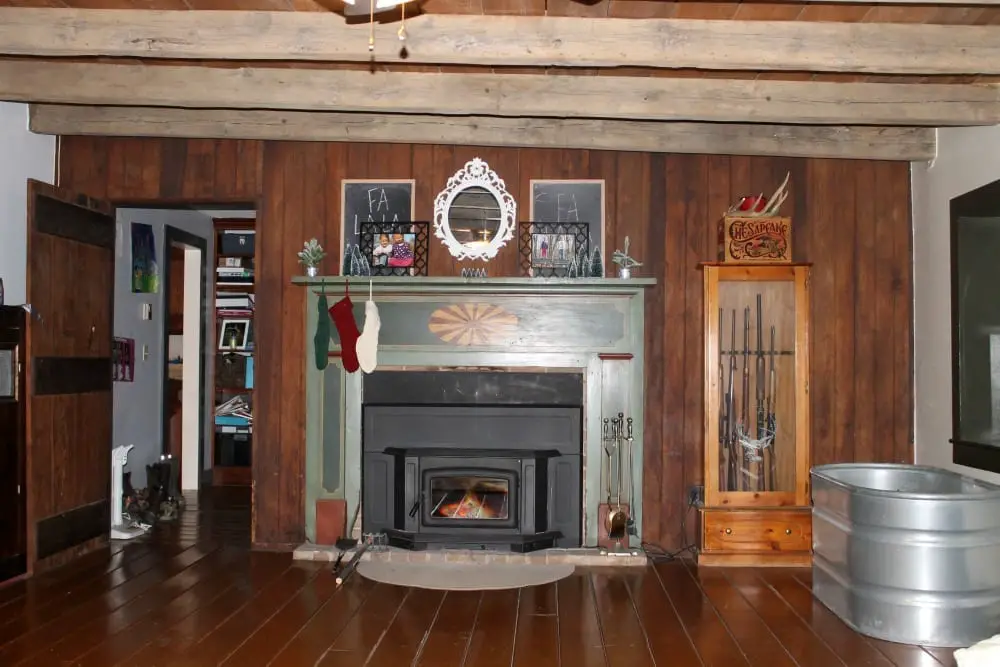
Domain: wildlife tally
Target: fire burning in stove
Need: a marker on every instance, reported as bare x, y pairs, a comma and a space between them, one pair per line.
470, 498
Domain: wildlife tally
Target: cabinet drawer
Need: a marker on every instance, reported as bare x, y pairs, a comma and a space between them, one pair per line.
763, 530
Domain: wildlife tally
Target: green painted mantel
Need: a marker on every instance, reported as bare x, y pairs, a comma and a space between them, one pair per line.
593, 326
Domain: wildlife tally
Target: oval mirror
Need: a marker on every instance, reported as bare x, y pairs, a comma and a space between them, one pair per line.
474, 215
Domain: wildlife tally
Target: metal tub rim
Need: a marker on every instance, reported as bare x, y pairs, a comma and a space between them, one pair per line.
989, 491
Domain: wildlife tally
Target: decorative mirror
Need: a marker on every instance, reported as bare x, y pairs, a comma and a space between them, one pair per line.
474, 216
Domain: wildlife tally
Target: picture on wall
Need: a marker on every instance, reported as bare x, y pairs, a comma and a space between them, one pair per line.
395, 249
145, 271
568, 202
372, 201
234, 334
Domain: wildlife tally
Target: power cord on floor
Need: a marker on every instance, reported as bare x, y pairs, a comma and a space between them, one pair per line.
658, 554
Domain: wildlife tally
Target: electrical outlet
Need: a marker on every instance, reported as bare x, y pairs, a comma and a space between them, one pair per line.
696, 494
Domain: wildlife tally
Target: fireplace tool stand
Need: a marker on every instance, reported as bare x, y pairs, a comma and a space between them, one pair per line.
616, 522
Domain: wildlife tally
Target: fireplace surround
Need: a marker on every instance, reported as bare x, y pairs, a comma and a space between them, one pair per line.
590, 328
473, 459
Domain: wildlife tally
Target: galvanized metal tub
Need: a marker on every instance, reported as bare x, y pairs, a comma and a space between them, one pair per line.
907, 553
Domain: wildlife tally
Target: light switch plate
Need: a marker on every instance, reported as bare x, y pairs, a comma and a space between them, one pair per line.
147, 311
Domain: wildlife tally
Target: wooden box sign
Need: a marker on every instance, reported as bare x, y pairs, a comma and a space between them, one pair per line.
755, 239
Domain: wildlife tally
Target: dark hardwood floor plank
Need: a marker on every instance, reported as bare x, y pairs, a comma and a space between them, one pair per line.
405, 636
492, 643
852, 647
325, 627
91, 564
265, 569
192, 594
711, 638
221, 641
87, 636
367, 626
625, 643
272, 636
39, 637
946, 656
121, 645
536, 639
450, 634
44, 598
758, 643
805, 647
580, 641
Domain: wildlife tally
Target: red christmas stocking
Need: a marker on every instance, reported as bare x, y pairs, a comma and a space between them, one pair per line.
342, 313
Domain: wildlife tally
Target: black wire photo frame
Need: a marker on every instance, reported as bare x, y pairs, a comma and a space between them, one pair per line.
395, 248
548, 249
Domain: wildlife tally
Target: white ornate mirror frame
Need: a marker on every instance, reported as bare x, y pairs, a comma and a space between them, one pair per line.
475, 173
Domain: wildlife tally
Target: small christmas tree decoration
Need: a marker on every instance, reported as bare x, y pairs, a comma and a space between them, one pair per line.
596, 263
310, 256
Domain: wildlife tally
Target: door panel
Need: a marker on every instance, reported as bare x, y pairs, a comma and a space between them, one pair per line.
70, 288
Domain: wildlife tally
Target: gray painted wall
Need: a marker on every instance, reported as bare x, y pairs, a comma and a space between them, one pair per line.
138, 418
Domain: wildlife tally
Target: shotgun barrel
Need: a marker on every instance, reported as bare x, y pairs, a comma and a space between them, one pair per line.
760, 380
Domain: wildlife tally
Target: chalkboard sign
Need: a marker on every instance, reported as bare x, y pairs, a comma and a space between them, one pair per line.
373, 201
570, 201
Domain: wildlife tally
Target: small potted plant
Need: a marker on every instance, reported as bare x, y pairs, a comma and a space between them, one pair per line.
624, 262
310, 256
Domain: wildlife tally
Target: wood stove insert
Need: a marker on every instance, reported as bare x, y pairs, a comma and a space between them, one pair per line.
457, 459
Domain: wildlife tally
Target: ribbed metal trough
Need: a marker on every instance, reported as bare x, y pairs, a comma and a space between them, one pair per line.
907, 553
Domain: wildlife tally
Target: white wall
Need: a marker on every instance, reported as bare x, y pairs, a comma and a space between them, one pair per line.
23, 155
967, 159
139, 405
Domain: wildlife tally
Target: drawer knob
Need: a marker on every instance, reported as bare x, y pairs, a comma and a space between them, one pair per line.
729, 531
788, 531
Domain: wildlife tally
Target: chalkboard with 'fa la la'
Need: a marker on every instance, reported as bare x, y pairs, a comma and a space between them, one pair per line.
363, 201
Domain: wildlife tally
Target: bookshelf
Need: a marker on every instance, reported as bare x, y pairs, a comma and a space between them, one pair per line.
234, 279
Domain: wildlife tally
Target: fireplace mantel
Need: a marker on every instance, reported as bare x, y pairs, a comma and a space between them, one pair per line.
593, 326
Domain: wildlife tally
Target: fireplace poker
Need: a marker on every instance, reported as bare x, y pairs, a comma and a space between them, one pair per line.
630, 522
352, 564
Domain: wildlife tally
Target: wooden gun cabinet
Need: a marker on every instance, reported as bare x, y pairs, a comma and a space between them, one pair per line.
756, 510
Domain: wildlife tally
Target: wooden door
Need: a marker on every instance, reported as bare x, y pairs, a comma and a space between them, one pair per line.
70, 289
13, 540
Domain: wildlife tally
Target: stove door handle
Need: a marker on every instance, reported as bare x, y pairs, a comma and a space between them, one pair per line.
415, 508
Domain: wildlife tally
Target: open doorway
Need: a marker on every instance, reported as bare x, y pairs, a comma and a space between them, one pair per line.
185, 332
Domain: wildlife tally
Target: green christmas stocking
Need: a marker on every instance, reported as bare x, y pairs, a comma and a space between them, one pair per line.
322, 338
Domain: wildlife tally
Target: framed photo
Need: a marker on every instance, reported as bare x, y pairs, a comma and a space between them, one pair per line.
234, 334
395, 249
366, 201
554, 250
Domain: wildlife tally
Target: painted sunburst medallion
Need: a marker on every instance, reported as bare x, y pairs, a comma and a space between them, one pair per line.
472, 324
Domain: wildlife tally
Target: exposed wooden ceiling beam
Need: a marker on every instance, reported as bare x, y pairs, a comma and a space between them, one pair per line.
875, 143
527, 41
511, 95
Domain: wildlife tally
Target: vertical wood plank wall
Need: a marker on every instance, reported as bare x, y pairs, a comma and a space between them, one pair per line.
851, 219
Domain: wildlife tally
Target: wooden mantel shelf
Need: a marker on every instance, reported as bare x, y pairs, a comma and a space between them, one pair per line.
445, 284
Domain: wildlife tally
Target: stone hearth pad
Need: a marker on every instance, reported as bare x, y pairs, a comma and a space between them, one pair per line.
580, 557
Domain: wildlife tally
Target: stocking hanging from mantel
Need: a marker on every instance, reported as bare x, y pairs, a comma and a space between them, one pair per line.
368, 342
342, 313
321, 341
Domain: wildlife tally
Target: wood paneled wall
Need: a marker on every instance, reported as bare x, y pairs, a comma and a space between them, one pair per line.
851, 219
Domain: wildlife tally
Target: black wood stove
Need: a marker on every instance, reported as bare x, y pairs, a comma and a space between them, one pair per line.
475, 460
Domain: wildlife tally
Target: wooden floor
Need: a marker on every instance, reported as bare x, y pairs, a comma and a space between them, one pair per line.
193, 594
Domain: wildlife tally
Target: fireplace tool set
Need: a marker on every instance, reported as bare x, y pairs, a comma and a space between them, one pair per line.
617, 440
746, 435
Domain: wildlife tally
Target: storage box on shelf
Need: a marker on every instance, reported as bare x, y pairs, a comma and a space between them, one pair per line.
756, 510
232, 452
